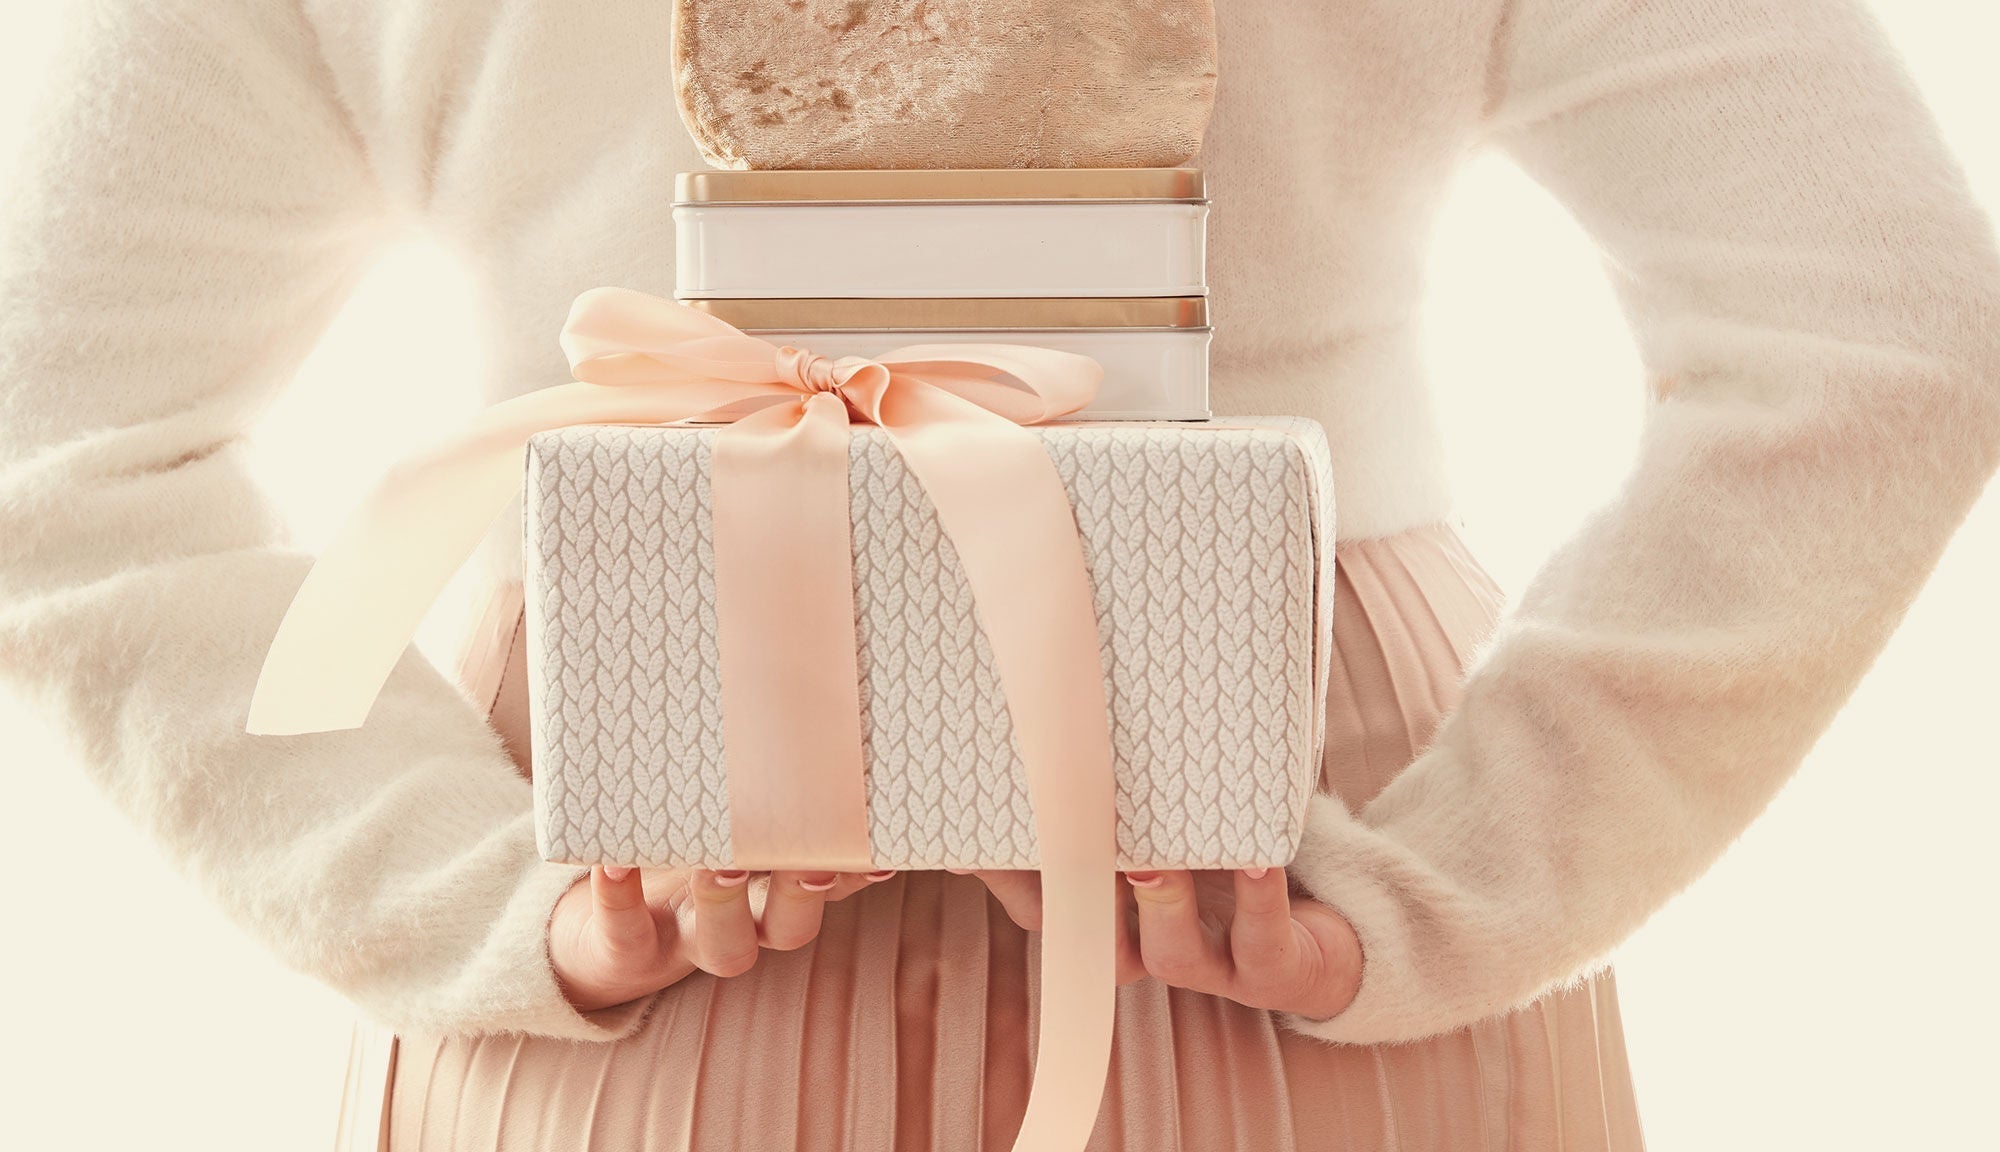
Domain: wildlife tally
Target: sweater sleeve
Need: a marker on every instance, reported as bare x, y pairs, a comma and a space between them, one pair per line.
192, 209
1817, 303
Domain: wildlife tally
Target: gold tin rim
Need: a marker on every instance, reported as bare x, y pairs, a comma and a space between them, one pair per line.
939, 185
958, 314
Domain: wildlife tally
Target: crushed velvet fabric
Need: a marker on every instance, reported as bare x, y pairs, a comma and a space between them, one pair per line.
944, 83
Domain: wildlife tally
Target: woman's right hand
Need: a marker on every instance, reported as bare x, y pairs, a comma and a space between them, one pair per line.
622, 933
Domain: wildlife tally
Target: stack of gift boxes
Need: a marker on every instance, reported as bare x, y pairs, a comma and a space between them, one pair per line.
1208, 541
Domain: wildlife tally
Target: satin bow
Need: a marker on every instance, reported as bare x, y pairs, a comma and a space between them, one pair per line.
784, 600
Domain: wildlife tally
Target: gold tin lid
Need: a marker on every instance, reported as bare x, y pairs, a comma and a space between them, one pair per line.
939, 185
959, 314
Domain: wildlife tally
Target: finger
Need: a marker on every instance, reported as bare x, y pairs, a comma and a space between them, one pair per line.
1335, 979
619, 913
1172, 944
793, 908
725, 932
1263, 941
848, 883
1131, 966
1019, 893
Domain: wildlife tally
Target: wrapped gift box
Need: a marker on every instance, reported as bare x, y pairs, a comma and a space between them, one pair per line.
1209, 548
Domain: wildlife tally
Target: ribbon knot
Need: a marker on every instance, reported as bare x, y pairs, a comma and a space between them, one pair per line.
807, 371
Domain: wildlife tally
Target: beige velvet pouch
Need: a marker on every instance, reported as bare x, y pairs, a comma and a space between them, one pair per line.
945, 83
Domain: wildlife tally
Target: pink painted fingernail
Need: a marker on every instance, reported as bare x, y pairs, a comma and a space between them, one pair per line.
616, 872
878, 877
731, 878
821, 885
1255, 873
1145, 879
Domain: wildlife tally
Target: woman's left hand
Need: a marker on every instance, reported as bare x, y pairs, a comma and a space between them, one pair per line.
1244, 935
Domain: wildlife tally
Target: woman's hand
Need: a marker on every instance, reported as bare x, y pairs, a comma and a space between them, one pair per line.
1242, 935
623, 933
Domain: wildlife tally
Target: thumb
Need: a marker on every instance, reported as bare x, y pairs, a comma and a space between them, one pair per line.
619, 913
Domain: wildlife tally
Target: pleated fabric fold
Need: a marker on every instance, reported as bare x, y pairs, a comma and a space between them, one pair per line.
908, 1026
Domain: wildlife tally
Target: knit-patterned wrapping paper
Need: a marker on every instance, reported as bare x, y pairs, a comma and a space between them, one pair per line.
1209, 547
945, 83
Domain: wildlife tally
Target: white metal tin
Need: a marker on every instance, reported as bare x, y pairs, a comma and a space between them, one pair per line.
903, 249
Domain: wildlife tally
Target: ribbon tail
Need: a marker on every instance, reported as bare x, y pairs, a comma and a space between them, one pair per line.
1008, 516
1079, 1004
363, 600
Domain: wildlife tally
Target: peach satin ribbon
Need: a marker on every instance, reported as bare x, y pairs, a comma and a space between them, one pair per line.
784, 601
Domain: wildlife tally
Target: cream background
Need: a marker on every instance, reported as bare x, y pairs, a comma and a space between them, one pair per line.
1827, 986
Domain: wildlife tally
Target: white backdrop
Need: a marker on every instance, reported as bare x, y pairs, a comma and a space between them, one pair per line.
1830, 985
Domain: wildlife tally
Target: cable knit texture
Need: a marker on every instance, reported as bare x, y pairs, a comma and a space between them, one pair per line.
1814, 291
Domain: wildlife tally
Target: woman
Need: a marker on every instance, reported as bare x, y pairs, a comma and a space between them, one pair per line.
1504, 800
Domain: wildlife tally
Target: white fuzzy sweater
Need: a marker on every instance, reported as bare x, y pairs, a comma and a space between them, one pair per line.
1817, 299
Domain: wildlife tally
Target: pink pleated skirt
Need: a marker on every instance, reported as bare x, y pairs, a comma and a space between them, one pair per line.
906, 1026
